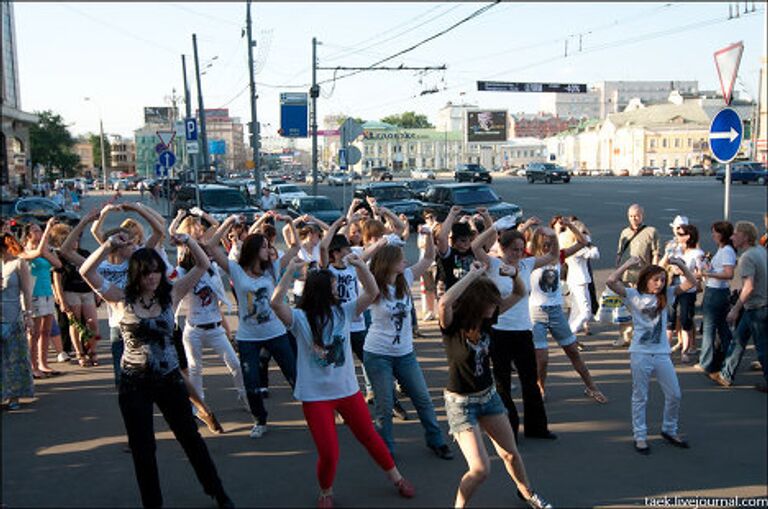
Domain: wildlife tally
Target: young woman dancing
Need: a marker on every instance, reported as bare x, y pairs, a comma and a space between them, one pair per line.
466, 313
325, 371
650, 351
149, 368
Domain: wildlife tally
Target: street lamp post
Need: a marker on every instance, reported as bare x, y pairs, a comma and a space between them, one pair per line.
101, 142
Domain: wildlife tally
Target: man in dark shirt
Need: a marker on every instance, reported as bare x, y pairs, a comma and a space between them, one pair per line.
455, 259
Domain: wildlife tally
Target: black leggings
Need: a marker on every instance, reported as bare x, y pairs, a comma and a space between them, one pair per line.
517, 347
136, 396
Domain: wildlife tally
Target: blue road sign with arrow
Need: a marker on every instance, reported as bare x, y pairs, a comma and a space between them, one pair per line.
167, 159
160, 171
725, 134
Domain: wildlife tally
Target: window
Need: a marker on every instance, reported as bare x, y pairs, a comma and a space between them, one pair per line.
690, 143
651, 162
664, 143
677, 142
653, 143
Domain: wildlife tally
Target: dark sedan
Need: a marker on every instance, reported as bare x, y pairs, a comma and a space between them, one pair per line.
546, 172
745, 172
469, 197
319, 206
394, 196
36, 210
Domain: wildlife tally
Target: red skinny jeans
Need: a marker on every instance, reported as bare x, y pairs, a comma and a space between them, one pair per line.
321, 420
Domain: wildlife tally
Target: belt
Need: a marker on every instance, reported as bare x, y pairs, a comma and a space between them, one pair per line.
207, 326
481, 397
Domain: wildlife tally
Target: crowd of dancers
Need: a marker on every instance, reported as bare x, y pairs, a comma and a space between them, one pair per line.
344, 290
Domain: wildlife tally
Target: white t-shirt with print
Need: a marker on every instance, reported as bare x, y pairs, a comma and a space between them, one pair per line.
725, 256
545, 286
518, 317
390, 332
326, 373
650, 325
201, 305
578, 270
258, 322
693, 259
348, 288
117, 275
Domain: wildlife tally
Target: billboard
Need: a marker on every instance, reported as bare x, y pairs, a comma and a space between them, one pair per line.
217, 147
158, 115
485, 126
293, 115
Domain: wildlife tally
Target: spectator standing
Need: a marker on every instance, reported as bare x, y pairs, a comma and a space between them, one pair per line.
268, 200
639, 240
753, 300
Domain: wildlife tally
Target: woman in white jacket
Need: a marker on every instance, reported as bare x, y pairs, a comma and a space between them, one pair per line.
578, 279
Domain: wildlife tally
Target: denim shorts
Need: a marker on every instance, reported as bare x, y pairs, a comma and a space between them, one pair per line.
552, 319
463, 410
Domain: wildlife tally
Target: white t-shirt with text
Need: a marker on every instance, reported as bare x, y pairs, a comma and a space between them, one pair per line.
390, 332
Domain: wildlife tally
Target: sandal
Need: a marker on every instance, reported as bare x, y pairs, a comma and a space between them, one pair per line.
596, 395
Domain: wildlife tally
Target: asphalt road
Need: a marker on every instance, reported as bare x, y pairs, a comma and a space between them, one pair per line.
64, 449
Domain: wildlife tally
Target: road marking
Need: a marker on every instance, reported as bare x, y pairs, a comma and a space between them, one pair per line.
671, 210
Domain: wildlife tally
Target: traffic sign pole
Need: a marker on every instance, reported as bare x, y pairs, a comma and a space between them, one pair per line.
727, 198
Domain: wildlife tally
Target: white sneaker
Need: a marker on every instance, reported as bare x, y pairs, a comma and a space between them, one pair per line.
63, 357
429, 316
258, 430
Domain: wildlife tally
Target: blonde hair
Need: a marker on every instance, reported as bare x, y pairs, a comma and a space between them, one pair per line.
188, 224
748, 229
538, 238
59, 234
134, 229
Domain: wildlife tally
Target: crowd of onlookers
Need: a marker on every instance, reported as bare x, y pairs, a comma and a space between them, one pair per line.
498, 290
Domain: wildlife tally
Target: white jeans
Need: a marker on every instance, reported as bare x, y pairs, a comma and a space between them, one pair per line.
195, 339
581, 307
643, 366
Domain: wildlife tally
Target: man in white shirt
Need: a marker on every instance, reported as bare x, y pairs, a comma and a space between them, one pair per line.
268, 201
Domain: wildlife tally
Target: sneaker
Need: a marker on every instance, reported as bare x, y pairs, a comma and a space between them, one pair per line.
537, 502
264, 392
63, 357
405, 488
755, 366
430, 316
258, 430
619, 343
442, 451
399, 412
13, 405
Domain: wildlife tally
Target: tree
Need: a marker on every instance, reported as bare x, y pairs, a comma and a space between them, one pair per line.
51, 145
96, 150
408, 120
339, 118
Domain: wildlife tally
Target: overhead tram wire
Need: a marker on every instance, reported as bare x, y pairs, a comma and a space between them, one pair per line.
615, 44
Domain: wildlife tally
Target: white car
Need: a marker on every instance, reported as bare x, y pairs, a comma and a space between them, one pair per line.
339, 179
423, 174
287, 192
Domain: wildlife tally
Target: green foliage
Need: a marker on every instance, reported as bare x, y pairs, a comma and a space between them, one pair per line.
51, 145
93, 139
408, 120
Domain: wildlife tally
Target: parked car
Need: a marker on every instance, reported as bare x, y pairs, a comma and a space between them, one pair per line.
697, 170
745, 172
319, 206
38, 210
423, 174
672, 171
581, 172
546, 172
647, 171
394, 196
381, 173
683, 171
273, 180
418, 187
218, 200
441, 197
658, 172
471, 172
623, 173
339, 179
286, 192
520, 172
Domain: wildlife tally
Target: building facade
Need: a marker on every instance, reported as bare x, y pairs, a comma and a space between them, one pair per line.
226, 137
540, 125
84, 151
15, 155
122, 154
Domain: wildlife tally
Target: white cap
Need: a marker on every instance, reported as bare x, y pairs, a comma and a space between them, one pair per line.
679, 220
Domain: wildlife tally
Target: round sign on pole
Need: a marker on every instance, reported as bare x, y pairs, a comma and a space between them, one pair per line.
353, 155
725, 135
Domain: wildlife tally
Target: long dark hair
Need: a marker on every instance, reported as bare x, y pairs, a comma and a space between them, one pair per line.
249, 253
725, 229
187, 261
318, 302
142, 262
693, 235
469, 309
645, 275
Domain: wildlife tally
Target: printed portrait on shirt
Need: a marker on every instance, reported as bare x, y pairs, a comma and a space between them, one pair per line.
332, 353
549, 280
653, 335
399, 311
258, 306
480, 351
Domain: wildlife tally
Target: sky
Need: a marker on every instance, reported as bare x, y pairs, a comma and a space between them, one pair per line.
128, 55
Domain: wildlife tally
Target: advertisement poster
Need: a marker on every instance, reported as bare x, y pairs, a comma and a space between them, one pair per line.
485, 126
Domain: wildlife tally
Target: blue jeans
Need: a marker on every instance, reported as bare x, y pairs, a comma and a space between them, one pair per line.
754, 324
382, 370
714, 309
250, 352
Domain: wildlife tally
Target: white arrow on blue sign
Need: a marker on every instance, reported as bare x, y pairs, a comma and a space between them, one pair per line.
160, 171
167, 159
725, 135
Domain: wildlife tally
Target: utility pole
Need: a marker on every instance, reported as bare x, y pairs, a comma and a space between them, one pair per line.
192, 159
314, 92
201, 108
255, 134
